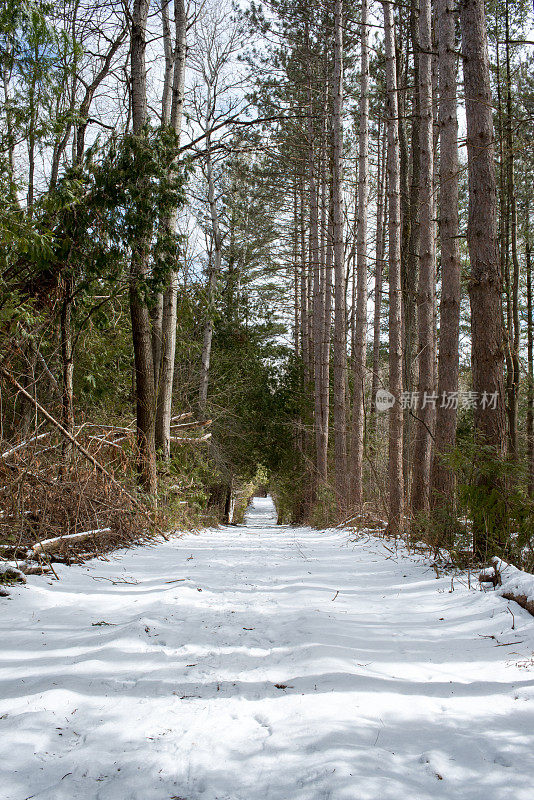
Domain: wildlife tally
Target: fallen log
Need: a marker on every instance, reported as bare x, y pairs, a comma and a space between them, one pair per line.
49, 545
514, 584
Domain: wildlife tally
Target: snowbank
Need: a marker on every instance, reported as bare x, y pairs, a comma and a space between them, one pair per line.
514, 584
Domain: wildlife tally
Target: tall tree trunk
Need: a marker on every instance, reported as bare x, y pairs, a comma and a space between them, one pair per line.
318, 297
410, 249
141, 327
340, 343
168, 321
214, 272
485, 285
326, 290
379, 270
395, 473
304, 337
67, 370
295, 270
514, 329
360, 339
156, 312
420, 492
530, 366
449, 331
327, 330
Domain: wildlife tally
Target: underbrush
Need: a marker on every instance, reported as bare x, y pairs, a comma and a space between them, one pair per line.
43, 495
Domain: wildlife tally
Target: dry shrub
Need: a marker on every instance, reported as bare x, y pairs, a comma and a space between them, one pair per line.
41, 499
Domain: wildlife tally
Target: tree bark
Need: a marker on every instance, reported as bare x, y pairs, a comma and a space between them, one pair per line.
420, 491
214, 272
67, 369
379, 269
168, 321
514, 329
485, 284
445, 435
395, 472
340, 344
410, 248
318, 297
359, 353
530, 358
140, 317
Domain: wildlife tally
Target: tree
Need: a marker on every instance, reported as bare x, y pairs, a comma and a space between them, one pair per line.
395, 471
442, 483
168, 319
420, 491
360, 340
340, 333
485, 284
139, 270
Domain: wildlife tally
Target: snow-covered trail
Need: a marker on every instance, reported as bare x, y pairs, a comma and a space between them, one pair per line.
263, 663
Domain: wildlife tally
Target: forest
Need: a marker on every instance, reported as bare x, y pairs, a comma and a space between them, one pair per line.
225, 232
267, 267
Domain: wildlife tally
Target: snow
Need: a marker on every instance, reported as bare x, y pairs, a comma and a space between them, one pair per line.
514, 581
264, 663
11, 568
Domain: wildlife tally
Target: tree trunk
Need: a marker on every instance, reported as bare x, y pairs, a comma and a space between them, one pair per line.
445, 435
141, 327
340, 344
214, 272
514, 330
410, 250
485, 285
420, 491
318, 297
530, 367
359, 353
379, 269
168, 321
304, 338
67, 369
395, 477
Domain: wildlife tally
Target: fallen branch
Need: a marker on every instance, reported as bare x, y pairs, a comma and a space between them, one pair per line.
193, 424
191, 438
24, 444
49, 545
